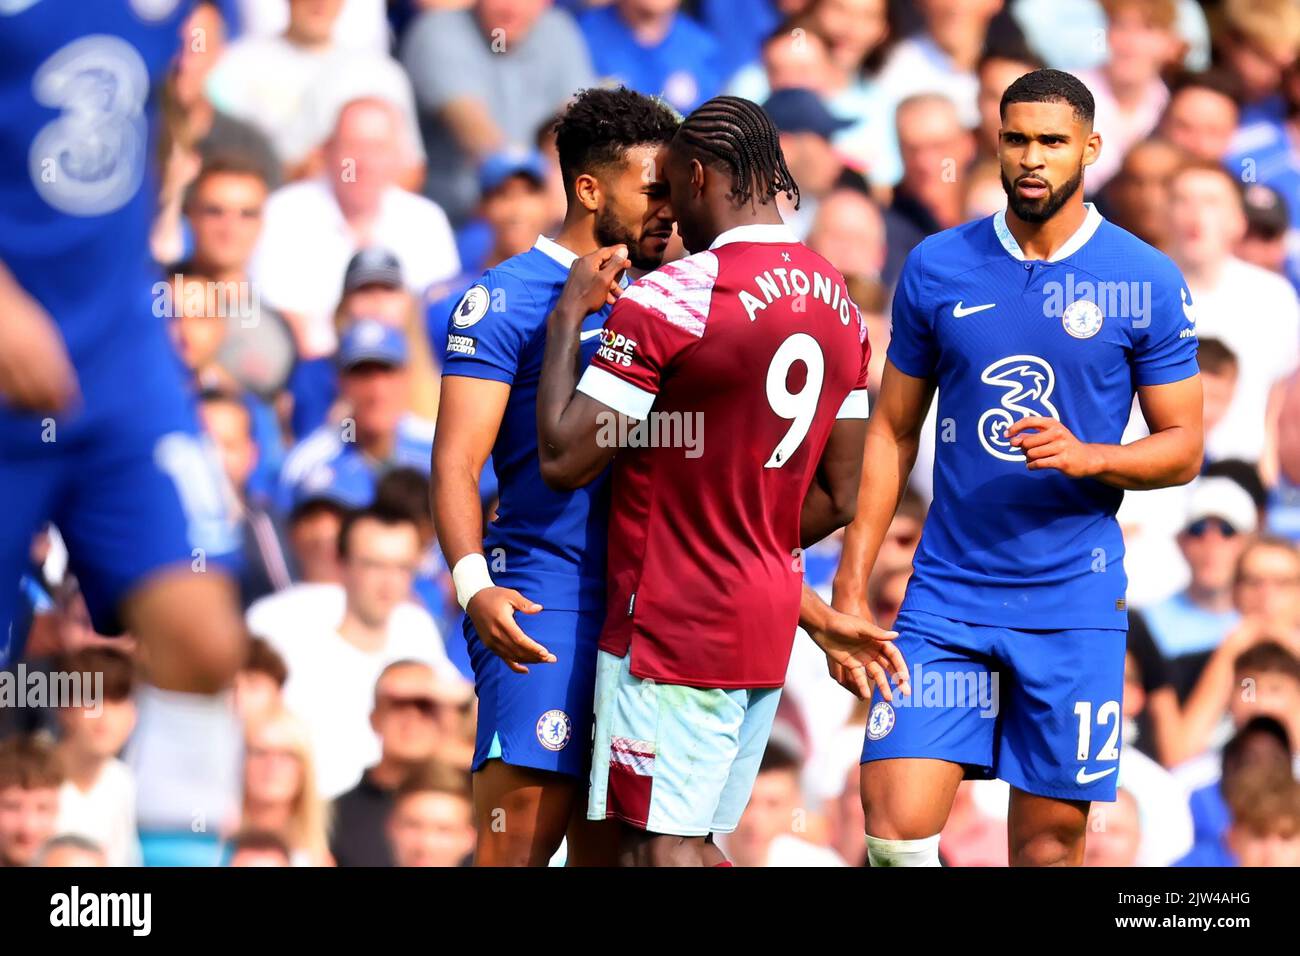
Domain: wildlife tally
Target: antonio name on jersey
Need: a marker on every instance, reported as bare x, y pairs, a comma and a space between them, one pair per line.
777, 283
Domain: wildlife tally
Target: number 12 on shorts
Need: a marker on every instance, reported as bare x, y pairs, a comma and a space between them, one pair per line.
1107, 715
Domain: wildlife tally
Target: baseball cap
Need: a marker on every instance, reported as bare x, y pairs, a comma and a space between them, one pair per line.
1223, 498
802, 111
345, 482
1266, 210
499, 167
370, 340
372, 266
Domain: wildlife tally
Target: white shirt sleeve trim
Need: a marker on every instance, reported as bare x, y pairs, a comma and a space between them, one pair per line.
623, 397
856, 405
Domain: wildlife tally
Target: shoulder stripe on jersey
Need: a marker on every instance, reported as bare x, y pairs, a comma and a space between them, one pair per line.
856, 405
679, 292
619, 394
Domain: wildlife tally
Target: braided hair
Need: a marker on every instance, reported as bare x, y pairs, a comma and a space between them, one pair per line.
735, 134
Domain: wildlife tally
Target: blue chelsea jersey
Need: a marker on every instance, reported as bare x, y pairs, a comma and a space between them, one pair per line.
547, 544
76, 107
1004, 338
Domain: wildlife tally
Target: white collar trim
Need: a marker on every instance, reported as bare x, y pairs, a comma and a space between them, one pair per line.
553, 250
757, 232
1091, 221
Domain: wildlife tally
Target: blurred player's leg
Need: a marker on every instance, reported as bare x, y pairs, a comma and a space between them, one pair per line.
1045, 831
591, 842
521, 813
190, 629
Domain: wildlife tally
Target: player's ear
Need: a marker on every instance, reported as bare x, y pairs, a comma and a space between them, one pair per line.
586, 188
697, 176
1091, 148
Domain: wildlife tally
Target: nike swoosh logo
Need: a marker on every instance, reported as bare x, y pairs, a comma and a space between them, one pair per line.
1084, 777
958, 311
583, 336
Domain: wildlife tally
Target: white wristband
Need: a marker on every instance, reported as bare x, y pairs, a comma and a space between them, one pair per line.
470, 575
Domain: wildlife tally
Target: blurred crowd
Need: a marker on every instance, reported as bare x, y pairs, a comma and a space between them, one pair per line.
334, 174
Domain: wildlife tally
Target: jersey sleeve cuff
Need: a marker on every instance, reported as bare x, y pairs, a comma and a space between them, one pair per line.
1168, 374
856, 405
617, 393
475, 368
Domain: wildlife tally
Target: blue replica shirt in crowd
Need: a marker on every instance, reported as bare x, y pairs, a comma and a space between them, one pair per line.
75, 148
686, 67
1005, 338
549, 545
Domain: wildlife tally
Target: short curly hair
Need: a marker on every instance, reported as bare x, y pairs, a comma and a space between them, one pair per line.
1051, 86
601, 124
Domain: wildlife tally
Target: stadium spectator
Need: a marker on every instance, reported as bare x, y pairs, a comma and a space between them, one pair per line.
313, 227
414, 716
943, 57
224, 209
373, 288
1254, 312
806, 128
1137, 196
265, 567
936, 150
1202, 115
982, 193
432, 822
194, 133
849, 230
1267, 221
258, 848
1264, 829
259, 685
31, 776
1188, 626
972, 836
1114, 832
67, 850
293, 85
320, 503
362, 24
1130, 96
280, 794
1261, 742
652, 47
1281, 466
1253, 671
773, 829
1152, 717
1219, 375
98, 797
378, 428
1065, 32
485, 78
1258, 41
337, 640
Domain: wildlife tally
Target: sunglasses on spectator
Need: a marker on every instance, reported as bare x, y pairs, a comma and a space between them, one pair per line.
425, 706
213, 211
1198, 529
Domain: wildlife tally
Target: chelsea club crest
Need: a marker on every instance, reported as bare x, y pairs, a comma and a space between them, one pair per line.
1082, 319
554, 730
881, 721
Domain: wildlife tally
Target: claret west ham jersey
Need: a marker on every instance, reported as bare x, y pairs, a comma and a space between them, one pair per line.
738, 360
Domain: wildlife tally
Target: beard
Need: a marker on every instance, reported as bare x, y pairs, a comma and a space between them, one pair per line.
1041, 210
611, 232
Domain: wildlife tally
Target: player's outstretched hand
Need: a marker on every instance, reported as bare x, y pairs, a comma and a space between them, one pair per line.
593, 282
1051, 445
493, 612
35, 371
860, 655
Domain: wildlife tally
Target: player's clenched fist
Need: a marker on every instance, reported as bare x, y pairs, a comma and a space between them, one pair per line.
493, 612
1049, 444
593, 282
35, 373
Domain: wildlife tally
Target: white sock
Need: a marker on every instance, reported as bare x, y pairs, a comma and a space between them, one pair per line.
186, 754
924, 852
